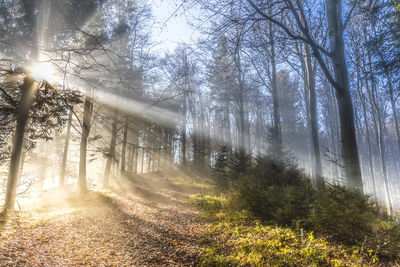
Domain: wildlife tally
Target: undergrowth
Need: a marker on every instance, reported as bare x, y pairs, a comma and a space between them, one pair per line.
240, 239
272, 216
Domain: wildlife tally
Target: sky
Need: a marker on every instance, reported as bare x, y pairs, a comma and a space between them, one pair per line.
171, 25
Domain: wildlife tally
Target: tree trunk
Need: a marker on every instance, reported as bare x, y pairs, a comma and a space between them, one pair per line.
277, 134
111, 151
65, 153
123, 152
346, 115
368, 139
364, 112
241, 114
149, 160
22, 118
136, 162
227, 128
393, 105
130, 158
22, 163
259, 126
142, 162
378, 131
87, 113
184, 119
135, 148
381, 145
313, 119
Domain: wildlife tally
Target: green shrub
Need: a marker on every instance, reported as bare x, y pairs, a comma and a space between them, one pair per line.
346, 215
220, 169
276, 193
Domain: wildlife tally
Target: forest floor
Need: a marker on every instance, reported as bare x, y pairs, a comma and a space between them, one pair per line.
145, 221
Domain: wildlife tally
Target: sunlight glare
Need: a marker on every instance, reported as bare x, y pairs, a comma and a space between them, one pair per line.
42, 71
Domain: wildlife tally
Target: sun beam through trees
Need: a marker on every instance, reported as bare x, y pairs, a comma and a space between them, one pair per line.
210, 133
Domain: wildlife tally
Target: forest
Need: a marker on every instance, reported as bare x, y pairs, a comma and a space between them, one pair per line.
199, 133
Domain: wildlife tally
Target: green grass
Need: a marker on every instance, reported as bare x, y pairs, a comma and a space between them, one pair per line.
240, 240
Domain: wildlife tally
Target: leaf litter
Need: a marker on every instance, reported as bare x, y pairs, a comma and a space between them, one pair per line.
144, 221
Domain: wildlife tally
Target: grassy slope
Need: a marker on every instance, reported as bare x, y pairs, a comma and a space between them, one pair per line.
242, 240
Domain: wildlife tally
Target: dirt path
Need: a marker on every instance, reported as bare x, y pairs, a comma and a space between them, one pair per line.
146, 221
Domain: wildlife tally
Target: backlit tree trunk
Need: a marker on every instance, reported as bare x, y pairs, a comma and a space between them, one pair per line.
22, 118
65, 153
123, 152
111, 151
87, 113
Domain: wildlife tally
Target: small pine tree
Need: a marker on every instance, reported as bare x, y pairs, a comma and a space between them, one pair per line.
239, 163
220, 170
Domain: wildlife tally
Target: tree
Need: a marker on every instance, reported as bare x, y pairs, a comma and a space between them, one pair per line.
340, 79
65, 153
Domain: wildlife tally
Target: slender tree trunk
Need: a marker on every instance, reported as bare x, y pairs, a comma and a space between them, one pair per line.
136, 148
149, 160
184, 122
310, 160
111, 151
379, 131
241, 119
336, 130
65, 153
368, 139
195, 133
22, 163
123, 152
307, 105
141, 170
332, 145
227, 128
259, 123
277, 135
382, 153
313, 119
130, 158
346, 114
135, 169
87, 113
203, 135
393, 105
241, 128
22, 118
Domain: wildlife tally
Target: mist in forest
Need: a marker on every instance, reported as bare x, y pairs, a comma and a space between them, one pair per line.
89, 94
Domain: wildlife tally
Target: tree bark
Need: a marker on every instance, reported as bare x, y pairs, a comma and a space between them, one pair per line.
87, 113
313, 119
277, 134
381, 143
22, 118
379, 131
368, 140
65, 153
184, 122
346, 114
123, 152
111, 151
393, 105
142, 162
259, 126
